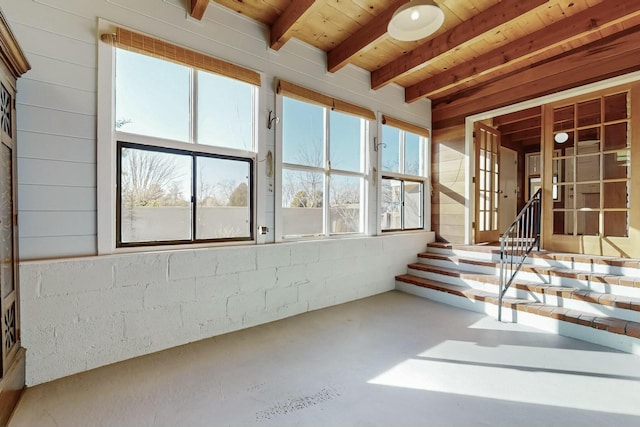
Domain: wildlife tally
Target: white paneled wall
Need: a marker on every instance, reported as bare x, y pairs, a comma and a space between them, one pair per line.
85, 312
82, 313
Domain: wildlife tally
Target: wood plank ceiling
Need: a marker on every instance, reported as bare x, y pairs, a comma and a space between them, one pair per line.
488, 53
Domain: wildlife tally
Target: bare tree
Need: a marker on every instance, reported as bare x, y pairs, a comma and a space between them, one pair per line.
147, 177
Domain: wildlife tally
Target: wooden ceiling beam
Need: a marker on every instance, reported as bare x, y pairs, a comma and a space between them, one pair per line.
340, 56
198, 8
522, 126
518, 116
519, 53
489, 20
616, 55
281, 30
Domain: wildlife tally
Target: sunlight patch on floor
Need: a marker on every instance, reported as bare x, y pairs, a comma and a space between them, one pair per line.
575, 379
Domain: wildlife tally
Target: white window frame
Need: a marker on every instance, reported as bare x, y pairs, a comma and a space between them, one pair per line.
425, 164
366, 126
107, 138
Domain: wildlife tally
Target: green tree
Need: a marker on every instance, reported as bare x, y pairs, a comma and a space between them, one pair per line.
239, 196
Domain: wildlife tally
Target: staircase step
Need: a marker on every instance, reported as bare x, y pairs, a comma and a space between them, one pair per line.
624, 306
601, 282
592, 263
626, 333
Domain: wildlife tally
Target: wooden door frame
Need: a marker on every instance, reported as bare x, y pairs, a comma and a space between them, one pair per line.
493, 234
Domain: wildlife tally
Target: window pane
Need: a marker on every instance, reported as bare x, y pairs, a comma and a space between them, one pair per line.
225, 112
390, 149
412, 205
589, 113
412, 163
588, 223
302, 201
152, 96
588, 196
155, 196
302, 133
616, 195
615, 107
589, 141
224, 198
616, 136
391, 204
616, 224
344, 204
345, 142
616, 164
588, 168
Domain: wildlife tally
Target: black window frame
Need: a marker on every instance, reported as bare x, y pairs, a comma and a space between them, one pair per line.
194, 154
402, 204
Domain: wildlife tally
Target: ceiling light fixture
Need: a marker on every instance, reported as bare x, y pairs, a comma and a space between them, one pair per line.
415, 20
561, 137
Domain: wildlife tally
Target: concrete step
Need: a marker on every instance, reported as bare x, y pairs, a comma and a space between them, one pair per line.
605, 330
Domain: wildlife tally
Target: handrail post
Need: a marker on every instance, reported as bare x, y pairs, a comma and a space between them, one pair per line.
501, 282
520, 238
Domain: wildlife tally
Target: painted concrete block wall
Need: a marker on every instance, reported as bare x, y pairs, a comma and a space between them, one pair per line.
82, 313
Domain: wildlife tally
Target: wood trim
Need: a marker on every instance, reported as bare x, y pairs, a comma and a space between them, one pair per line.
10, 52
198, 8
405, 126
136, 42
492, 19
11, 386
303, 94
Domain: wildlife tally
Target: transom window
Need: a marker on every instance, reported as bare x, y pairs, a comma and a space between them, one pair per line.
323, 164
185, 153
403, 161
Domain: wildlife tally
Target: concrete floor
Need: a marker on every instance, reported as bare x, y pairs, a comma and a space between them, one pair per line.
389, 360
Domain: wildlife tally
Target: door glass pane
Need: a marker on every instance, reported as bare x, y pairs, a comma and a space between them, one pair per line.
391, 204
615, 107
229, 123
152, 96
344, 204
302, 133
6, 221
616, 136
390, 149
155, 196
223, 198
616, 195
560, 165
345, 142
302, 201
616, 224
589, 113
616, 164
413, 205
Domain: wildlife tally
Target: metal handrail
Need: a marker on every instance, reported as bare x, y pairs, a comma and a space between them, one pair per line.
517, 242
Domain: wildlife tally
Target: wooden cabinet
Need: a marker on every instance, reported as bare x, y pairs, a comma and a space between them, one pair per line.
12, 65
